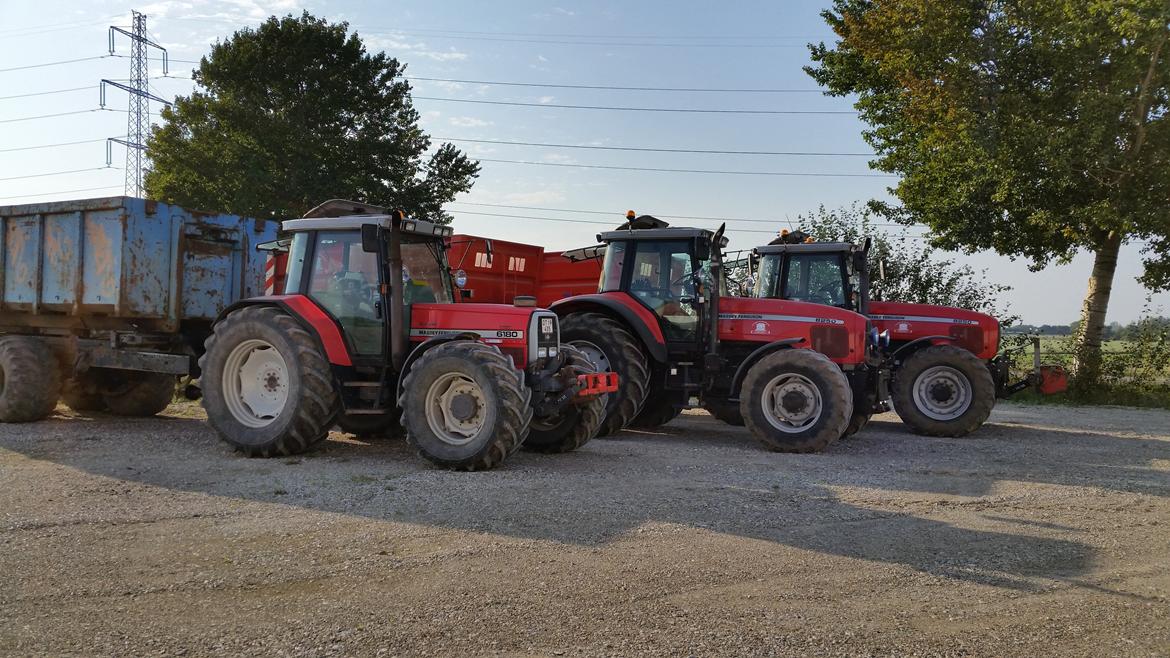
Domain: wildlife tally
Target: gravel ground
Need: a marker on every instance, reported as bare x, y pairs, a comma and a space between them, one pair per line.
1043, 534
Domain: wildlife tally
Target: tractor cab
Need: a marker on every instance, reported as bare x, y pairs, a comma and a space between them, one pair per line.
795, 267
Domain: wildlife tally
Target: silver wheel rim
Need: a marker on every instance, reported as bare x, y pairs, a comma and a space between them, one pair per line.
456, 408
791, 403
600, 362
255, 383
942, 393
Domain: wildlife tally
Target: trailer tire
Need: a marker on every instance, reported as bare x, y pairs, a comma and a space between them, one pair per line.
289, 425
577, 423
139, 393
658, 410
30, 382
727, 412
464, 406
80, 393
931, 373
796, 400
601, 336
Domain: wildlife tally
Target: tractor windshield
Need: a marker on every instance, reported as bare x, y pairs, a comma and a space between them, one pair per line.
806, 277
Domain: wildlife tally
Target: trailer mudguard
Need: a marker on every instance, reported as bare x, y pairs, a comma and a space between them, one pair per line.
759, 353
312, 317
642, 321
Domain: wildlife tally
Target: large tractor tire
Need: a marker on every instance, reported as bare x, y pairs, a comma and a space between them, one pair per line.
610, 347
82, 393
796, 400
138, 393
577, 423
30, 382
943, 390
658, 410
727, 412
267, 387
371, 426
464, 406
857, 422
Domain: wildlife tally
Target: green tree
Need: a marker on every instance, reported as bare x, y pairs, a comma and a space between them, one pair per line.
295, 112
1034, 128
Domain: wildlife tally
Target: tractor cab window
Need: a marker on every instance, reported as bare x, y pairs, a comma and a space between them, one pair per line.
611, 267
816, 278
663, 279
424, 274
344, 281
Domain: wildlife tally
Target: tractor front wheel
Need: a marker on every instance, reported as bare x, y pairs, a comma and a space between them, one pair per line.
796, 400
943, 390
576, 423
464, 406
266, 386
610, 347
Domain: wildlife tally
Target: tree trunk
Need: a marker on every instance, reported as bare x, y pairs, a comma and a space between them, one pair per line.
1088, 360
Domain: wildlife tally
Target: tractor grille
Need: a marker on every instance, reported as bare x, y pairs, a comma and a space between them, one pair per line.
833, 342
968, 337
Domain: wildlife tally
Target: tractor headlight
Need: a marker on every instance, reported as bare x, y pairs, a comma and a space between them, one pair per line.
460, 278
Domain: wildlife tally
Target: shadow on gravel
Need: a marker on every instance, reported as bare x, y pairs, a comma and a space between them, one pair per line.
695, 473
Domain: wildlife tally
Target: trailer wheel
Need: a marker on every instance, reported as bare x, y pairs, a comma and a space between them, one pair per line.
943, 390
857, 422
658, 410
138, 393
796, 400
577, 423
610, 347
30, 382
267, 387
464, 406
727, 412
80, 393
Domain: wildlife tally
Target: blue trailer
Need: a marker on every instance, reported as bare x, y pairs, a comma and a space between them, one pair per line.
104, 302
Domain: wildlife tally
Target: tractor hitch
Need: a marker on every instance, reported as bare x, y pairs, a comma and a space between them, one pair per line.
1045, 380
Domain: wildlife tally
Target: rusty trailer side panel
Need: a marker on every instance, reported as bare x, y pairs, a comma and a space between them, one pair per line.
122, 263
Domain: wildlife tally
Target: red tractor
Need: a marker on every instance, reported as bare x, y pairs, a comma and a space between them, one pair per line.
945, 372
365, 333
660, 319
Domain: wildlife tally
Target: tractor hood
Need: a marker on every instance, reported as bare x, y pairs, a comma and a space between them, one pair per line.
974, 331
838, 333
487, 320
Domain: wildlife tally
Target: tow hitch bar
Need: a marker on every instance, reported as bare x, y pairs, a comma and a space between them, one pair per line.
597, 383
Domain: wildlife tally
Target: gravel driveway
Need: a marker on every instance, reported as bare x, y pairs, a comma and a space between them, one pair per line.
1046, 533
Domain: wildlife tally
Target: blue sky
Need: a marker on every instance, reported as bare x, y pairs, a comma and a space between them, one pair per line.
750, 45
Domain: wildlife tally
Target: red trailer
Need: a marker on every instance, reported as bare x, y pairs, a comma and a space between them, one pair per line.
500, 270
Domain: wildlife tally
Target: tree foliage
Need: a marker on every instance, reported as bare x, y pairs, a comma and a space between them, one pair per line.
295, 112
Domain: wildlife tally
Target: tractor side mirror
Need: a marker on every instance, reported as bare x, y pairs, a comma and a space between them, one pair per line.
702, 249
371, 237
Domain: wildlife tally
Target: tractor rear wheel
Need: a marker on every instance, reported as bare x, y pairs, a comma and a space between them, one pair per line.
658, 410
267, 388
30, 382
796, 400
464, 406
727, 412
82, 393
133, 393
943, 390
610, 347
577, 422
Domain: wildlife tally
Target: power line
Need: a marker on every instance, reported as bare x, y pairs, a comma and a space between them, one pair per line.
48, 146
43, 64
691, 171
49, 116
48, 93
646, 149
708, 37
611, 213
631, 109
611, 44
496, 83
59, 173
80, 189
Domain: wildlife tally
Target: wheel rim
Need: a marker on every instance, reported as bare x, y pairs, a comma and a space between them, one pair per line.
791, 403
600, 362
456, 408
255, 383
942, 393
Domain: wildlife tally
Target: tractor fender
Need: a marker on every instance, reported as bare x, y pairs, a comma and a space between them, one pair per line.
918, 343
313, 318
651, 337
421, 348
759, 353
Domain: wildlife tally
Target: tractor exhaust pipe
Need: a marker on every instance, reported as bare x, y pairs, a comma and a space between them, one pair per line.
397, 303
